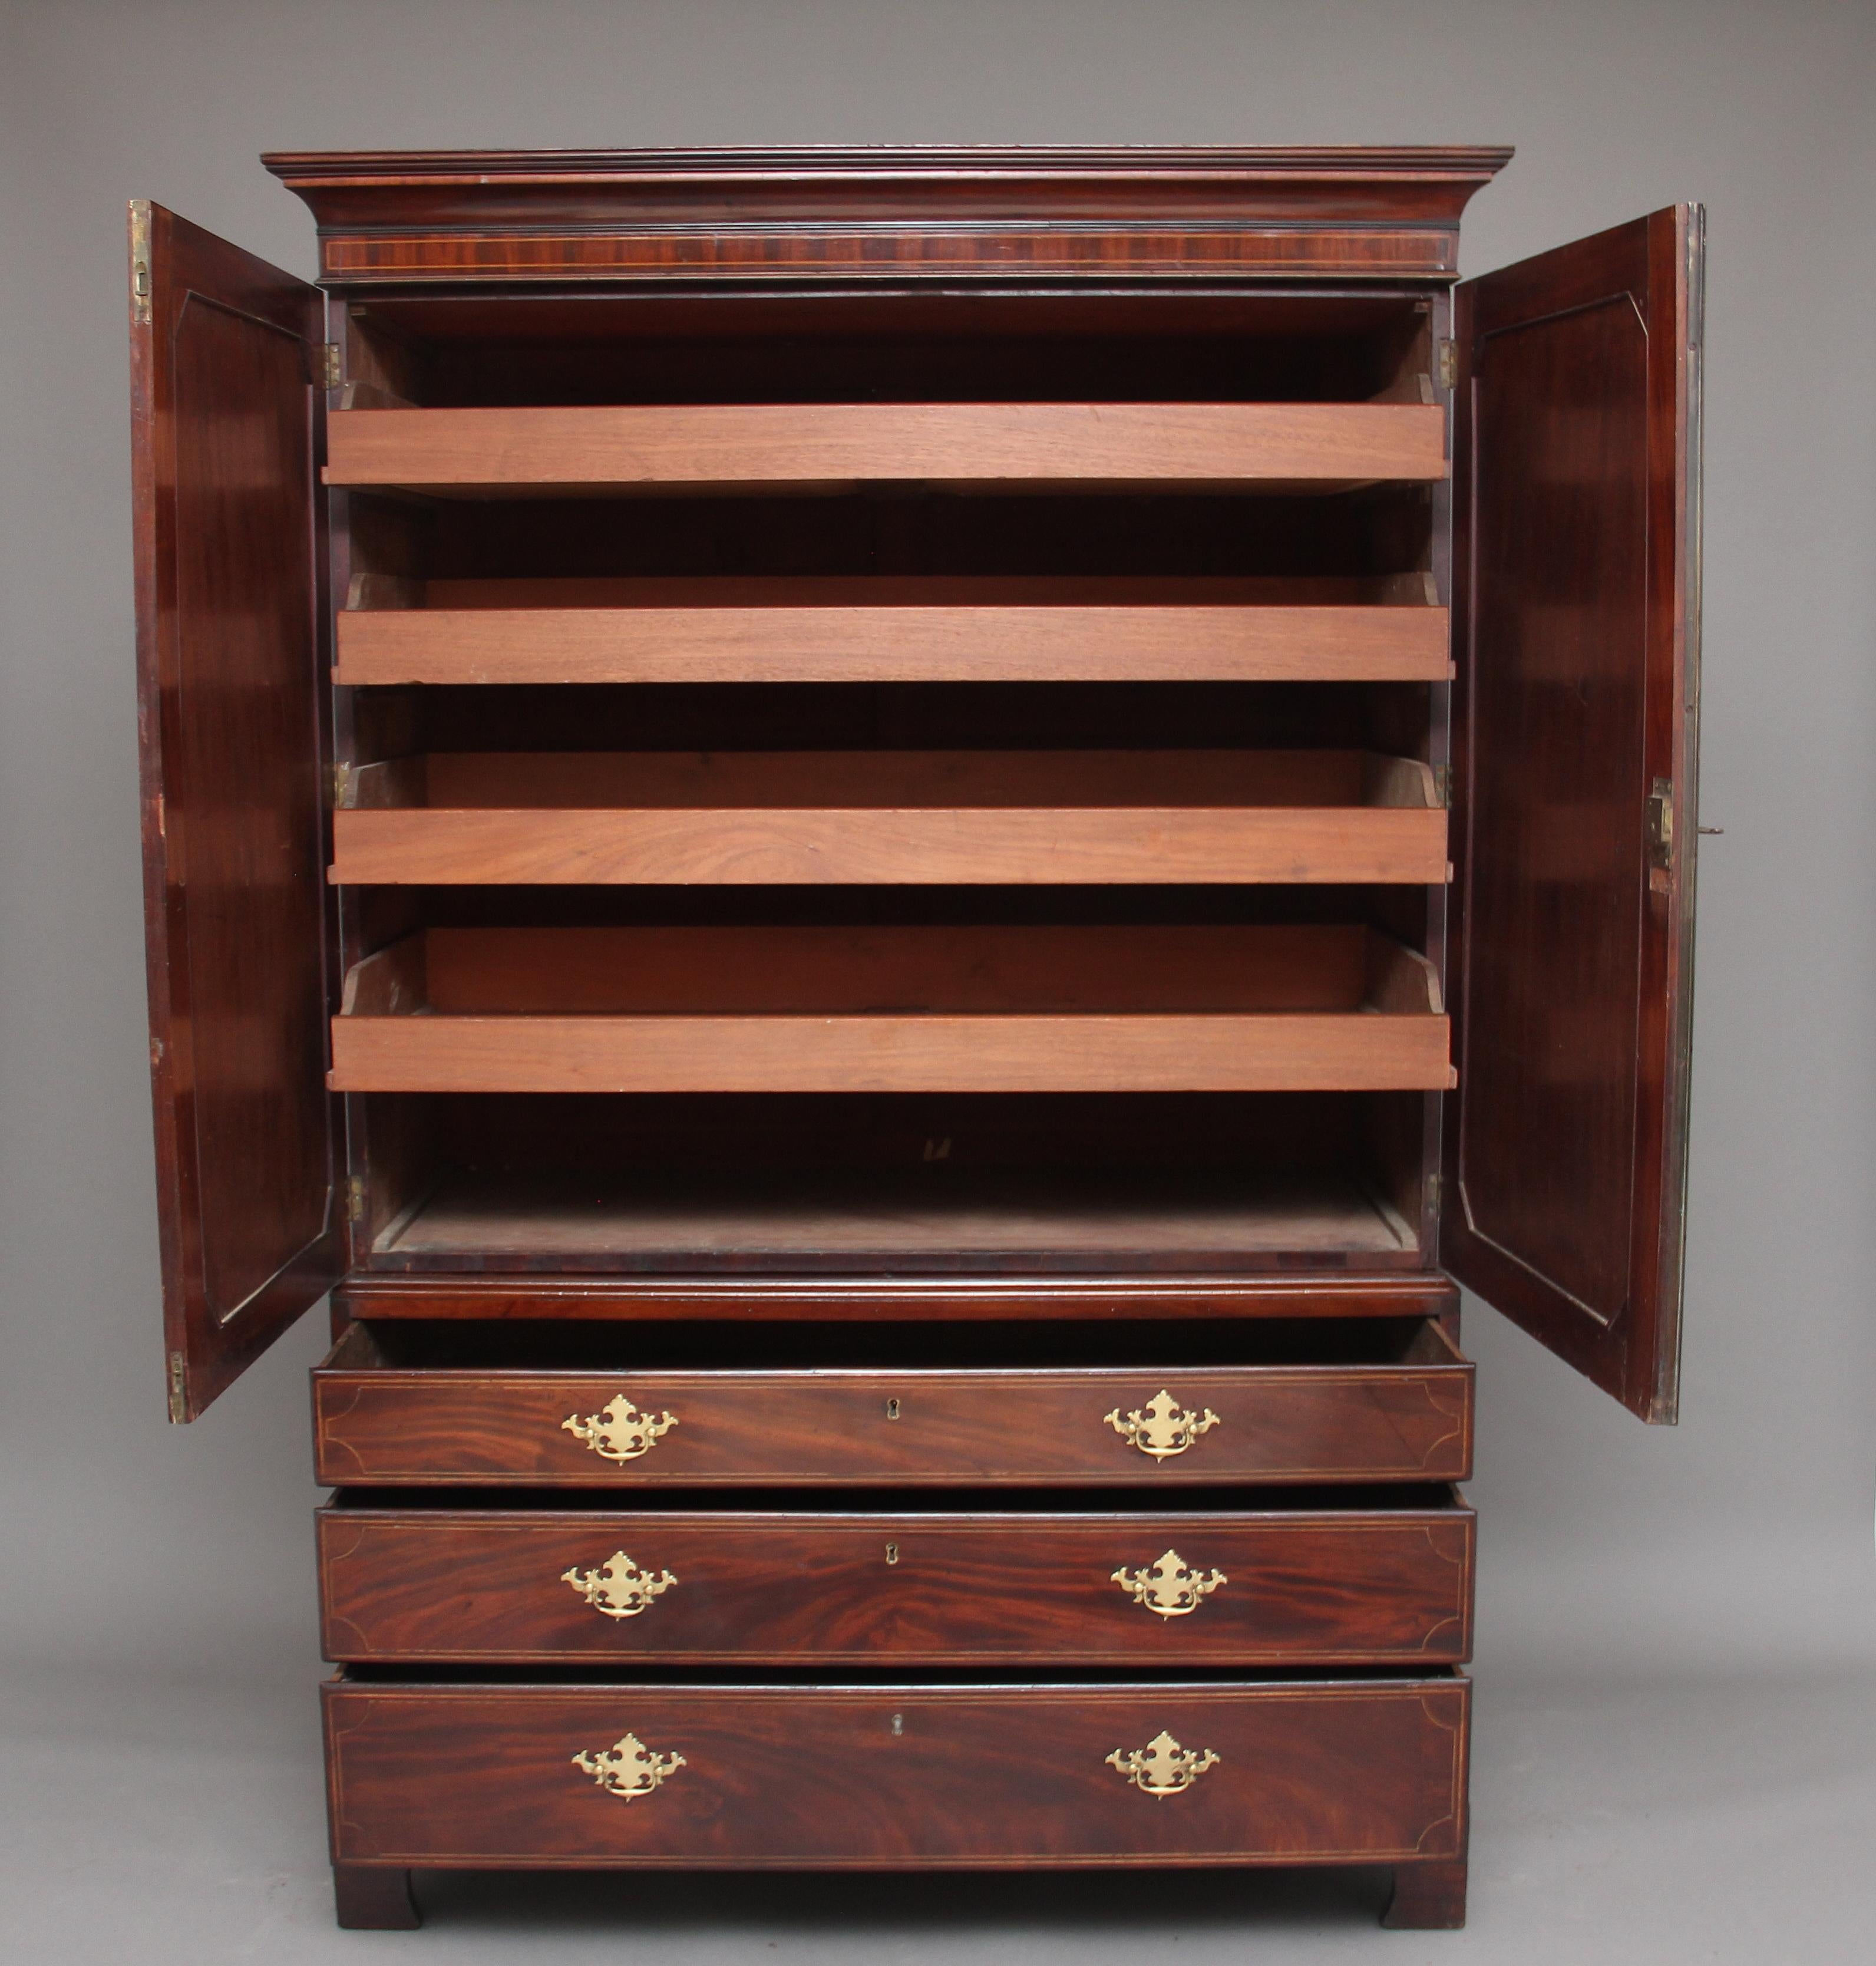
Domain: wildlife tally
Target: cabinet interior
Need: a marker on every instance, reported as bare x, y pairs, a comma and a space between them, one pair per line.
806, 345
467, 714
803, 1182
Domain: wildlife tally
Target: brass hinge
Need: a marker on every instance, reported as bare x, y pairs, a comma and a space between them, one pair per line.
1442, 785
139, 262
1447, 363
341, 786
1433, 1193
326, 364
1661, 824
354, 1198
178, 1390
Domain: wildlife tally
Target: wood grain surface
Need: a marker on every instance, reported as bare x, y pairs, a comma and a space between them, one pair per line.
1566, 1150
643, 446
901, 1776
1311, 1586
1098, 1301
1141, 1053
445, 1424
881, 216
871, 818
987, 1009
849, 631
525, 1221
225, 435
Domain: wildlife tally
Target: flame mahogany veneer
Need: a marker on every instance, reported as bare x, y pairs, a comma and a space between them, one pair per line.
1354, 1771
391, 1409
1363, 1583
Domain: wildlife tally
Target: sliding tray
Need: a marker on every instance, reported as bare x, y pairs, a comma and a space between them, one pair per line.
733, 447
1010, 817
922, 1009
893, 628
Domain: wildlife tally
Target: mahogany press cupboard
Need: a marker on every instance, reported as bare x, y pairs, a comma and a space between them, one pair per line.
891, 859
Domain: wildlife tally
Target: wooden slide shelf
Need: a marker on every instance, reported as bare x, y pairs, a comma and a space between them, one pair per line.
513, 453
885, 628
873, 817
923, 1009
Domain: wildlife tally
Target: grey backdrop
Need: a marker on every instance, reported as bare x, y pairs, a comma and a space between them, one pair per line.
1675, 1718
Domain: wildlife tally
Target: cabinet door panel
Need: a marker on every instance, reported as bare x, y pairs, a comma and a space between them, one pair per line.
1576, 604
226, 427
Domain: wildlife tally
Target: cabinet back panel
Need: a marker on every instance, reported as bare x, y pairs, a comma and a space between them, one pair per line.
912, 531
757, 717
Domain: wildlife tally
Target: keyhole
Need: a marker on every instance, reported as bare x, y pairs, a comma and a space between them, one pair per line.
899, 1723
892, 1409
892, 1553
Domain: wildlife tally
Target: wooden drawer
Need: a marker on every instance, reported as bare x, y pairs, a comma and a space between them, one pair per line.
895, 1777
1366, 1583
1372, 1400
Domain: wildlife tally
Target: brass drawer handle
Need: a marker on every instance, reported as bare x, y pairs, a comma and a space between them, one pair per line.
1169, 1587
619, 1431
628, 1768
618, 1588
1163, 1766
1164, 1429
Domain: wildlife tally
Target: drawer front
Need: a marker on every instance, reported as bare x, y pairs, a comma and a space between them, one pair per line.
1101, 1426
1341, 1587
897, 1777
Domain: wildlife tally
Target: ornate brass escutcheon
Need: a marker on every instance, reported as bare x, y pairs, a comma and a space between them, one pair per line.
1163, 1766
618, 1588
1164, 1429
628, 1768
1169, 1587
619, 1431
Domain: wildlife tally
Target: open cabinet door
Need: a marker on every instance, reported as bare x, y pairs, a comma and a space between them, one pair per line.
1576, 606
227, 422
